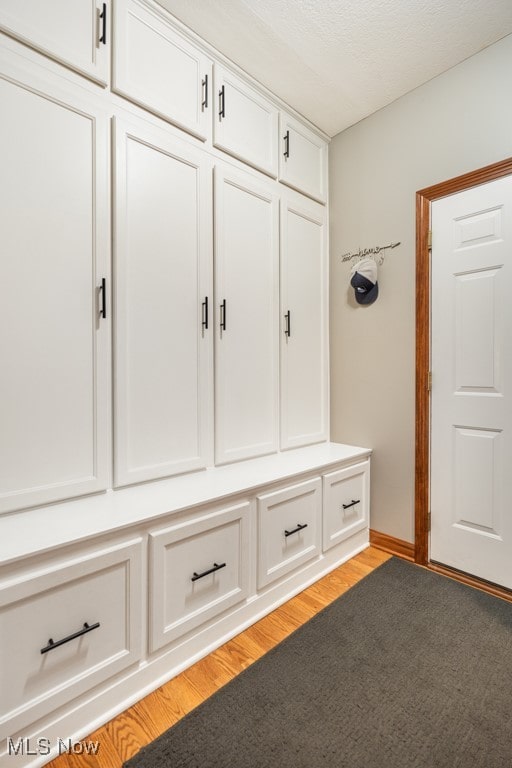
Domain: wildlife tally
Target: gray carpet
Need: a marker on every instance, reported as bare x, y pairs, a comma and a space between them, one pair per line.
406, 670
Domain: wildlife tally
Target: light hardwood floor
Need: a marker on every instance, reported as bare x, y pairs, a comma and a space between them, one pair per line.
122, 737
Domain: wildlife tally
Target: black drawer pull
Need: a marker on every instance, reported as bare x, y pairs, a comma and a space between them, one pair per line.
103, 292
346, 506
216, 567
204, 321
103, 17
55, 644
288, 325
296, 530
223, 315
286, 138
222, 103
204, 84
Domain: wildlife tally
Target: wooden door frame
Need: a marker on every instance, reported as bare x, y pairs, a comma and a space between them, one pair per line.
424, 199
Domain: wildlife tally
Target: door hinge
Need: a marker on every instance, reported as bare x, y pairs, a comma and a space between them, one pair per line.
429, 381
429, 240
429, 521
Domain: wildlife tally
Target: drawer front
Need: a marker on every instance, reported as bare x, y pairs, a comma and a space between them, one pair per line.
49, 655
245, 123
198, 569
346, 503
302, 158
288, 529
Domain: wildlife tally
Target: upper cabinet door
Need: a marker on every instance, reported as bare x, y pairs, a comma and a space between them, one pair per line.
163, 303
55, 311
74, 32
302, 158
245, 123
304, 343
158, 68
247, 324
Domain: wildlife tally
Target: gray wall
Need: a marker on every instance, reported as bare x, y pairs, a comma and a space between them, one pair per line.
456, 123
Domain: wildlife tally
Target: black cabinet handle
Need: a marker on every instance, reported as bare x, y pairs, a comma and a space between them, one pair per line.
354, 501
286, 138
287, 328
204, 84
223, 315
216, 567
204, 305
103, 17
296, 530
103, 292
55, 643
222, 103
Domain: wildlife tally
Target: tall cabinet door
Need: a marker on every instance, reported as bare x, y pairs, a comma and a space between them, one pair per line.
247, 345
163, 304
75, 32
304, 343
54, 338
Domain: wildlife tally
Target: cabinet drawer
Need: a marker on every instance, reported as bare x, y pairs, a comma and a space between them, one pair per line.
245, 123
49, 655
302, 158
198, 569
156, 67
346, 503
288, 529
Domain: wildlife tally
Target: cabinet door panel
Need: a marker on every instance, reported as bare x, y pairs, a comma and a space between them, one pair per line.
163, 275
159, 69
54, 344
302, 158
346, 503
246, 275
66, 30
245, 124
304, 365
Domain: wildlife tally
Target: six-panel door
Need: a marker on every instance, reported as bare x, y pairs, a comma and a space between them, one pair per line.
304, 323
75, 32
54, 352
246, 290
164, 313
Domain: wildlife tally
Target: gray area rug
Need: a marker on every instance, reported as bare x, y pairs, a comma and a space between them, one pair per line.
407, 669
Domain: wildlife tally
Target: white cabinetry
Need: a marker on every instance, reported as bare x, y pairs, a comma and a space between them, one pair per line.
163, 335
67, 627
346, 503
245, 123
199, 568
302, 158
247, 325
289, 526
304, 347
75, 32
158, 68
54, 343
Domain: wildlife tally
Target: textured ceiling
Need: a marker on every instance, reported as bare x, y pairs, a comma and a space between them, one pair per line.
337, 61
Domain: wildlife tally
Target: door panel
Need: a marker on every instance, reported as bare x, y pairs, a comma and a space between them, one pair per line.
471, 445
163, 277
246, 284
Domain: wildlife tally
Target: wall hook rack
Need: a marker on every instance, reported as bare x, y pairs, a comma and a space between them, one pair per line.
376, 253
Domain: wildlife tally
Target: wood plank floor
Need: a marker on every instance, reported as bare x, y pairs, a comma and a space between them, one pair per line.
122, 737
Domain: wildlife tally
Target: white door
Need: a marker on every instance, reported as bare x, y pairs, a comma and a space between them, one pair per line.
302, 158
245, 123
303, 322
54, 255
471, 442
156, 67
247, 324
75, 32
163, 304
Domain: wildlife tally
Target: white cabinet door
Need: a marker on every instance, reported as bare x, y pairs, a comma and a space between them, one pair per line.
54, 341
304, 323
156, 67
163, 344
246, 284
302, 158
245, 123
346, 503
75, 32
